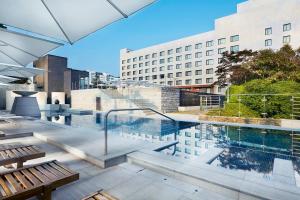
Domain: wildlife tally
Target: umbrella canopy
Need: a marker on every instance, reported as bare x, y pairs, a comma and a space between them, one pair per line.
19, 71
20, 49
6, 79
67, 20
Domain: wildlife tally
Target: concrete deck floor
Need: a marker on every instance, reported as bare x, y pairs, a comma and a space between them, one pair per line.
125, 181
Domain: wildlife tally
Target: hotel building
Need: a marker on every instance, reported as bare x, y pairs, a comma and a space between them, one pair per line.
191, 62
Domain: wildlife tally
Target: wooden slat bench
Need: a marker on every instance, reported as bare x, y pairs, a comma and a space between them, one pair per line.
36, 180
16, 153
100, 195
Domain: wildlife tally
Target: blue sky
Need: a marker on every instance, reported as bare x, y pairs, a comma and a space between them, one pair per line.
163, 21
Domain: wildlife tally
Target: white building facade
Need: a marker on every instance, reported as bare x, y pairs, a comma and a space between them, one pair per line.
191, 62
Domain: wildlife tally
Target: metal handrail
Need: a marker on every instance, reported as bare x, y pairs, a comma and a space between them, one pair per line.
129, 109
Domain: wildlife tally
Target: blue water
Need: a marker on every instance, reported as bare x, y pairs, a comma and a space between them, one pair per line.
247, 149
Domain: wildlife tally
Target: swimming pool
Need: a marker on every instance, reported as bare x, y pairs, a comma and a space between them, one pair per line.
254, 150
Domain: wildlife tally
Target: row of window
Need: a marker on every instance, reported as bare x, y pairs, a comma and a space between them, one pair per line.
285, 40
177, 82
285, 28
170, 75
187, 48
178, 66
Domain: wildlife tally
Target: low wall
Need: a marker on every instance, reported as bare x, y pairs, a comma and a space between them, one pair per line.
284, 123
188, 108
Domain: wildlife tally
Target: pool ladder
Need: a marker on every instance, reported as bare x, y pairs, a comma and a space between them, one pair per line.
132, 109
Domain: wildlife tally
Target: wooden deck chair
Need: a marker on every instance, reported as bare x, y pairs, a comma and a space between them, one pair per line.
35, 180
17, 153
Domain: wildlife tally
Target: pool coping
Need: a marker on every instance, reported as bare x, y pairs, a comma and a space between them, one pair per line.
233, 183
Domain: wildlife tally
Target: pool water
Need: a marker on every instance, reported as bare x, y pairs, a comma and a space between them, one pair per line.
244, 149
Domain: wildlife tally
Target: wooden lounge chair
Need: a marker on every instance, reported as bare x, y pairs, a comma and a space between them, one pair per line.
100, 195
16, 153
36, 180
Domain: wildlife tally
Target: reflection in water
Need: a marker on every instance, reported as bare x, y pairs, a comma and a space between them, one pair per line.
247, 149
245, 159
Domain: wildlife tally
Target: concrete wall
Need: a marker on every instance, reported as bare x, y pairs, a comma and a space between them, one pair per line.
40, 96
161, 99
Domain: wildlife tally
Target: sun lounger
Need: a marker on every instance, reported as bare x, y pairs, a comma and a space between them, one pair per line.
17, 153
36, 180
100, 195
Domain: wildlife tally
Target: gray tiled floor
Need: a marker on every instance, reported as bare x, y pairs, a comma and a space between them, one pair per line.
125, 181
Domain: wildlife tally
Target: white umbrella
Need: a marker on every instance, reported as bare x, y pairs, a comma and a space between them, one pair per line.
68, 20
20, 49
6, 79
19, 71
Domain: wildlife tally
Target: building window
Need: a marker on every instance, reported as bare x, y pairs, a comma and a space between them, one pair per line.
123, 67
170, 75
170, 52
154, 62
154, 55
147, 56
234, 38
198, 55
170, 83
209, 52
221, 50
198, 46
210, 71
147, 63
188, 73
179, 50
162, 76
170, 67
179, 74
141, 65
210, 43
221, 41
128, 60
268, 42
140, 58
198, 81
268, 31
286, 39
188, 48
209, 62
209, 80
154, 69
178, 66
198, 72
147, 78
162, 69
128, 66
179, 82
162, 61
154, 77
123, 61
287, 27
134, 73
146, 71
170, 59
235, 48
162, 53
128, 73
140, 71
178, 58
188, 56
140, 78
198, 63
219, 60
134, 65
188, 82
188, 65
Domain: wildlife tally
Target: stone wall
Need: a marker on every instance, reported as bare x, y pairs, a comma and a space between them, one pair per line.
170, 98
